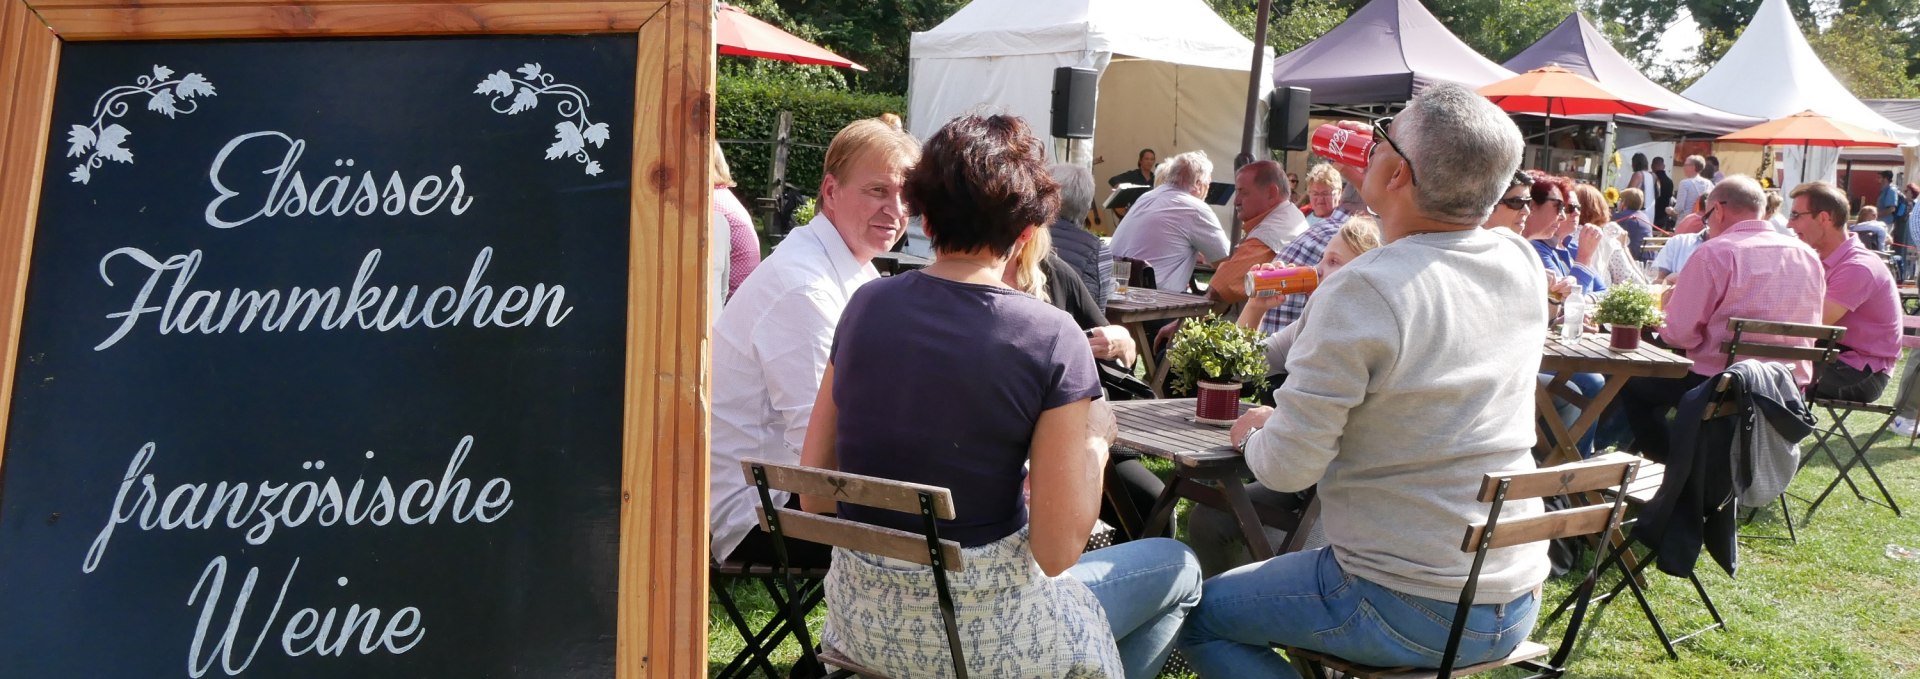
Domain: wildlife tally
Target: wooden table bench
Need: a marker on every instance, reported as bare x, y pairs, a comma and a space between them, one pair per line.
1206, 470
1143, 305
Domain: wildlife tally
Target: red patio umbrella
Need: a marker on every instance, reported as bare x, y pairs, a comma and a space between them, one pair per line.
1551, 90
1807, 128
739, 34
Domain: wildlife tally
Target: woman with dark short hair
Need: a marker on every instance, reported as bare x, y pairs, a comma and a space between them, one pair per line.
948, 377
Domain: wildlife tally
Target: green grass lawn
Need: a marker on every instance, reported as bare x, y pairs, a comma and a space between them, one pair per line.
1832, 605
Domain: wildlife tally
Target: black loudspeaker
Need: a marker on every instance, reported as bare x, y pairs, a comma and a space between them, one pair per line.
1073, 102
1287, 118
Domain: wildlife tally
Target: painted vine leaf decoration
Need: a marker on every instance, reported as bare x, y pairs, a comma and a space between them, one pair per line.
102, 141
573, 134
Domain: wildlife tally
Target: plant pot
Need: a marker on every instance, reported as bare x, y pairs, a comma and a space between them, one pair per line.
1625, 338
1218, 402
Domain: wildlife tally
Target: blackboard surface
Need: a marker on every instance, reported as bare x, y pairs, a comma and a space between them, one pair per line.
451, 459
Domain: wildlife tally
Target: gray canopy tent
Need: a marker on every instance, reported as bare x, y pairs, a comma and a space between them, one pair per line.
1577, 46
1382, 55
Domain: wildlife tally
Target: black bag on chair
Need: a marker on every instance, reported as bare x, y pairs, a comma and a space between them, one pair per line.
1120, 384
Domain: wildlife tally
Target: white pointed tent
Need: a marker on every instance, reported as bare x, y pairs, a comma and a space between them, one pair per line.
1173, 75
1771, 72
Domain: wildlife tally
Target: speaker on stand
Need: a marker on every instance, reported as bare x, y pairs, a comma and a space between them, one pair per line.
1073, 102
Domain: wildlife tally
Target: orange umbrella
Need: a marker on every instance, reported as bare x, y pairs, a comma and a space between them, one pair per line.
740, 34
1552, 90
1807, 128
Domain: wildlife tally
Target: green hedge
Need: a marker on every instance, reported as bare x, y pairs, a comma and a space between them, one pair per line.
748, 108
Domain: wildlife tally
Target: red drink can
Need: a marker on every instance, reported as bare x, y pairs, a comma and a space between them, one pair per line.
1342, 145
1292, 280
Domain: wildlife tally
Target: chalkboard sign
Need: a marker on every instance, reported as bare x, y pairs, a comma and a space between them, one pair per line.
325, 360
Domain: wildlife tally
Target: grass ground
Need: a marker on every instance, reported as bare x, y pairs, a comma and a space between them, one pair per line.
1832, 605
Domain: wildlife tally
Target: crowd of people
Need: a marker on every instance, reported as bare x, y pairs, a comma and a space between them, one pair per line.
1403, 380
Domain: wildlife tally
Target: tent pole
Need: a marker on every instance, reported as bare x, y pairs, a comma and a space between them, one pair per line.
1254, 74
1803, 164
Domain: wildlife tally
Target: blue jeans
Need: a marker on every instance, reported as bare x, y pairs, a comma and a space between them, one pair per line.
1305, 600
1147, 587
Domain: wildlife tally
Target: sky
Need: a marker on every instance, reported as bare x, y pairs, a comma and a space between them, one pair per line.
1680, 39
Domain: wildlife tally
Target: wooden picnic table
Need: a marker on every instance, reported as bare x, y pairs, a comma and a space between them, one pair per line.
1145, 304
1206, 470
1591, 354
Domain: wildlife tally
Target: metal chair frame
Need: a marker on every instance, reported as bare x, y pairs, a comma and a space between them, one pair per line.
1497, 489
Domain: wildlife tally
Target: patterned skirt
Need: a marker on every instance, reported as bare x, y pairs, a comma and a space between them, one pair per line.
1014, 621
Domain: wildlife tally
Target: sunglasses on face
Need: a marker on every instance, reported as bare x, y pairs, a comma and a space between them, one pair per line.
1514, 203
1555, 202
1380, 132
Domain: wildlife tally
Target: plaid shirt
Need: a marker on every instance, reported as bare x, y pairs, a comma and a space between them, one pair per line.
1303, 251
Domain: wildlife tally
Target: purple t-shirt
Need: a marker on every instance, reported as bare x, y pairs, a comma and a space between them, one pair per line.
1858, 280
940, 382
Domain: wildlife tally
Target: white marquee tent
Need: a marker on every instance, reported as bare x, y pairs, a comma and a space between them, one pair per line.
1771, 72
1173, 75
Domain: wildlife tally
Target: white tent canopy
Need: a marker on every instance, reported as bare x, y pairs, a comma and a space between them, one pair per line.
1771, 72
1173, 75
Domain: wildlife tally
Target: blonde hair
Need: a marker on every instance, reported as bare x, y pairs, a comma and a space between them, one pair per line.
1028, 276
867, 136
1325, 173
1361, 233
1632, 199
720, 175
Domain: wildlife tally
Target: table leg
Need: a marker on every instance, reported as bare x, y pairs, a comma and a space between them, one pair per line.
1563, 448
1144, 347
1310, 516
1162, 511
1250, 525
1124, 510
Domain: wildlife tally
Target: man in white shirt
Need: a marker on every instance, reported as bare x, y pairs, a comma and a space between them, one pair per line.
771, 343
1688, 193
1170, 224
1673, 256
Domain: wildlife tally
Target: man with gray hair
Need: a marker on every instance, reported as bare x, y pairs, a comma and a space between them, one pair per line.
1397, 415
1171, 223
1075, 245
1743, 270
1688, 193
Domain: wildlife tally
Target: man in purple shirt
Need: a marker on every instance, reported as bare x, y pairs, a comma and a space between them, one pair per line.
1860, 296
1746, 270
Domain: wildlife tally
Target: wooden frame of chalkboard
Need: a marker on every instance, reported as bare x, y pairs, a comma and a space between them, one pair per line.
662, 597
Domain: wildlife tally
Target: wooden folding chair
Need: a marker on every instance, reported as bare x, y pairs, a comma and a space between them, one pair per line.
1613, 471
930, 503
1775, 341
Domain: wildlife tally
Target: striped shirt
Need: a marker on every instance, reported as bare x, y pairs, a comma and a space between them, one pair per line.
1303, 251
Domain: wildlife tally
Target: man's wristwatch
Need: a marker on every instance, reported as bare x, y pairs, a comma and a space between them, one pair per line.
1241, 447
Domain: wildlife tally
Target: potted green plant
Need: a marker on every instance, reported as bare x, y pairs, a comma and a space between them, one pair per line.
1627, 308
1217, 356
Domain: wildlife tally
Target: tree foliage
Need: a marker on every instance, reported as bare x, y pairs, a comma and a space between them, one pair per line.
875, 33
1857, 49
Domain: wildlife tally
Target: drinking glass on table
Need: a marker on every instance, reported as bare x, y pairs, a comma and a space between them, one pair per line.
1122, 272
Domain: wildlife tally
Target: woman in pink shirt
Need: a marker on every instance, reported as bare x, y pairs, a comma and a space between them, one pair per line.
743, 242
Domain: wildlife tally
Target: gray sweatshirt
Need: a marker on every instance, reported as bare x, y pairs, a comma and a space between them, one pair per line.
1411, 378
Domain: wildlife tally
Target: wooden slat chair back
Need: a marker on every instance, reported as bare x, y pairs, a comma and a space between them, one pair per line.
1612, 472
931, 503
